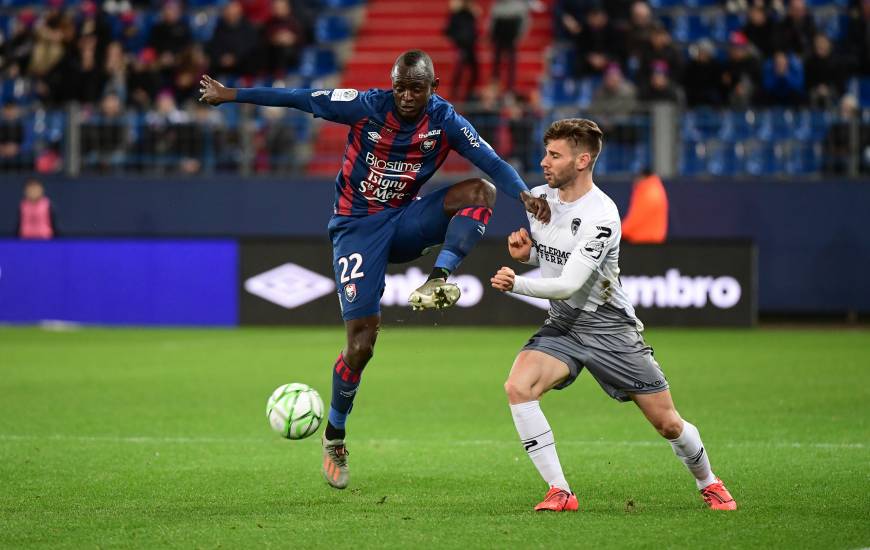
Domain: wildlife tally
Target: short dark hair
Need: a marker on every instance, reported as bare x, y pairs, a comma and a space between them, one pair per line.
412, 57
580, 132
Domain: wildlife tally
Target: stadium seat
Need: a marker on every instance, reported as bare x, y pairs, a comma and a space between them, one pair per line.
331, 28
722, 158
202, 25
317, 62
665, 4
341, 4
860, 88
560, 91
562, 63
693, 159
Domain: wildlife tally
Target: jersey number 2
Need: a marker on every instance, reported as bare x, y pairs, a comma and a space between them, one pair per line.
345, 262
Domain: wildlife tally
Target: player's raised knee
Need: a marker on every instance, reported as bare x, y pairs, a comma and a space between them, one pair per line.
518, 392
473, 191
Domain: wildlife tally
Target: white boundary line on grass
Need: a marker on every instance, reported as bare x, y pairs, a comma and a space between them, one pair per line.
463, 442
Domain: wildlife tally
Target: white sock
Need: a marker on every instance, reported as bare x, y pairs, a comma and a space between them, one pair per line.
690, 450
538, 442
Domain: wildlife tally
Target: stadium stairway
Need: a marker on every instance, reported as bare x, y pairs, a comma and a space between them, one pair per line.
392, 26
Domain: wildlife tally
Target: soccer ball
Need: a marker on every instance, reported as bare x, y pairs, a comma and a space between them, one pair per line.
295, 410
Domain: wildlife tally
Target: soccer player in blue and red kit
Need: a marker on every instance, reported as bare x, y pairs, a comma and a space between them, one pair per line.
398, 138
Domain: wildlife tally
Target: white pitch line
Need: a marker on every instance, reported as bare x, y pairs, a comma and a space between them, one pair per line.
463, 442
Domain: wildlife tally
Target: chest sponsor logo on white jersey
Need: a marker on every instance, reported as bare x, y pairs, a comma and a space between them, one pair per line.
388, 179
551, 254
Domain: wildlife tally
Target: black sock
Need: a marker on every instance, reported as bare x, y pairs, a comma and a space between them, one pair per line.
438, 273
332, 432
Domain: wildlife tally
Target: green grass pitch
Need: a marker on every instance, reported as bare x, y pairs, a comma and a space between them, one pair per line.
158, 438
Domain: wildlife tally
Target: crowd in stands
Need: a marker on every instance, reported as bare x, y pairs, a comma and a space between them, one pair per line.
134, 67
774, 53
86, 50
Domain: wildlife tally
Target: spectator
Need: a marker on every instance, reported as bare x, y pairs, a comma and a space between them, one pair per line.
145, 80
597, 44
660, 87
509, 19
741, 77
12, 145
17, 50
825, 73
616, 94
284, 39
660, 49
105, 136
233, 44
783, 79
847, 143
93, 21
640, 28
116, 71
486, 115
522, 116
87, 71
461, 29
170, 35
192, 64
857, 42
258, 12
759, 30
703, 80
646, 221
795, 31
36, 215
167, 136
273, 141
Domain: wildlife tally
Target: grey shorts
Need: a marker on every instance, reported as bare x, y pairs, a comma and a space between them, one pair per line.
621, 363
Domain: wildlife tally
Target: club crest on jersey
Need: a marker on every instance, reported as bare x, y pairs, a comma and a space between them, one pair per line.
427, 145
575, 225
350, 292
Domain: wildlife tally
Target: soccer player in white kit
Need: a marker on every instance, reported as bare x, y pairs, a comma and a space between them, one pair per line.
591, 324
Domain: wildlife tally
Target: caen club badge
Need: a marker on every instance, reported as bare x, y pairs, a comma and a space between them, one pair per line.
350, 292
427, 145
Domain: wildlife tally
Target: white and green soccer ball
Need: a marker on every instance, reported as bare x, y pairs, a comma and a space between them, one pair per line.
295, 410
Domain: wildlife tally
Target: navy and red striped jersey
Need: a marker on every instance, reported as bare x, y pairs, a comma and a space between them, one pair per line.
387, 160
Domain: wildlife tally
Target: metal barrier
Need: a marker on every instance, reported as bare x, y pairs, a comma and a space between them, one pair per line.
245, 140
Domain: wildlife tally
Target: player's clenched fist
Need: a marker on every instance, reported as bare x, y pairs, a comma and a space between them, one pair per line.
503, 280
520, 245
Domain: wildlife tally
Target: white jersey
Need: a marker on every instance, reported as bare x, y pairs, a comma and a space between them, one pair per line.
586, 231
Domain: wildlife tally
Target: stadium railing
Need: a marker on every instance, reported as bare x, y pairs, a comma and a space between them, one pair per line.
250, 140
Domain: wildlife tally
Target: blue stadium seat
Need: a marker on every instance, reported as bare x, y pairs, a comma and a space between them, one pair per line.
693, 160
562, 63
722, 158
331, 28
340, 4
560, 91
692, 27
860, 88
723, 24
758, 157
317, 62
704, 3
659, 4
736, 125
202, 25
